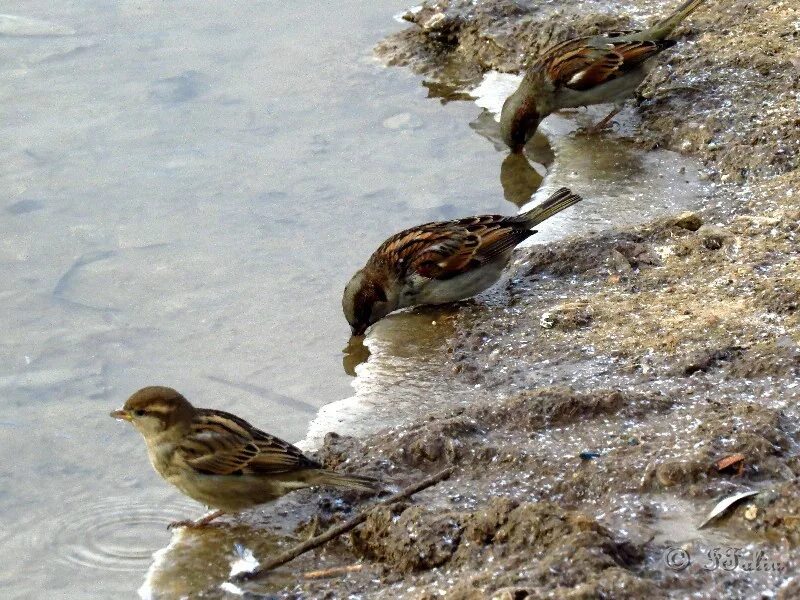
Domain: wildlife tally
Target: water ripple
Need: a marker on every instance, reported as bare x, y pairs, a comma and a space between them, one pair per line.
114, 535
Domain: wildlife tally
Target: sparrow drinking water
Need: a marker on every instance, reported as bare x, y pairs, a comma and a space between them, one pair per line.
441, 262
596, 69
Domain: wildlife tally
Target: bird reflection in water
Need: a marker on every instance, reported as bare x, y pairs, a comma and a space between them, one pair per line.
354, 354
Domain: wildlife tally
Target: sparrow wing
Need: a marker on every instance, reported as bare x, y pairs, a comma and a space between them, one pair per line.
220, 443
583, 63
446, 249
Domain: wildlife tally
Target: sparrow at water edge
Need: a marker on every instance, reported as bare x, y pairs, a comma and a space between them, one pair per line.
582, 71
441, 262
219, 459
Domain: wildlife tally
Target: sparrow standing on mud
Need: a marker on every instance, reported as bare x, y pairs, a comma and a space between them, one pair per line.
441, 262
219, 459
597, 69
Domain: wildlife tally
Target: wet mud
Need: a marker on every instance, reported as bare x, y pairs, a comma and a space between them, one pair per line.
600, 392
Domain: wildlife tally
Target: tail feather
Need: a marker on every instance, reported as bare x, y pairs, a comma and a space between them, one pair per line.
558, 201
341, 480
665, 26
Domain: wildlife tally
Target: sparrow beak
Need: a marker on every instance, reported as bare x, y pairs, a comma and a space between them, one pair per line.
121, 415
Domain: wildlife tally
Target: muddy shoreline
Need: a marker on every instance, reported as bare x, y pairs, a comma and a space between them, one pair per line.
614, 370
602, 383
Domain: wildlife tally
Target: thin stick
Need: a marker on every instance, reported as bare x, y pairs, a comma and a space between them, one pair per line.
338, 530
333, 571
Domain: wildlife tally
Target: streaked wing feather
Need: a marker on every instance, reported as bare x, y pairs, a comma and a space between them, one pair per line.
564, 61
220, 443
501, 241
275, 455
583, 63
636, 52
598, 72
444, 250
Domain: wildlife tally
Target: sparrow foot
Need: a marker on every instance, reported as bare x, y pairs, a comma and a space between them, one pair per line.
196, 524
604, 123
178, 524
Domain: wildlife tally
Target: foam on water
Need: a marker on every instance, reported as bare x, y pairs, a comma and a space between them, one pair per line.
493, 90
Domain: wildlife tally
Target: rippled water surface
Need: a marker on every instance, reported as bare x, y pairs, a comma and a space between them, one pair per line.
186, 187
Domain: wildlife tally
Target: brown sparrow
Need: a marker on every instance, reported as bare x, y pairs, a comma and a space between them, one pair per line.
597, 69
441, 262
219, 459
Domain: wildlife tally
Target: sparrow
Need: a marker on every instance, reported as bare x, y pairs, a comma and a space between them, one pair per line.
219, 459
597, 69
441, 262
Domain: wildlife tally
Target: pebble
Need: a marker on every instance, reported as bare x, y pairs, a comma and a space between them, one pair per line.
689, 220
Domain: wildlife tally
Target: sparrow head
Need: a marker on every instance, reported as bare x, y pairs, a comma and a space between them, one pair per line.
155, 409
519, 119
365, 301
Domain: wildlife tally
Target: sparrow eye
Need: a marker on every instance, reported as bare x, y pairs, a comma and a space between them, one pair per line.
139, 412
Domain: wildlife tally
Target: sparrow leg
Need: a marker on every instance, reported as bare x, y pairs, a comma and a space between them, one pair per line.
603, 123
202, 522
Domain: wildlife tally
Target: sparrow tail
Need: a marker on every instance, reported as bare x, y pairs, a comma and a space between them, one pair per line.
665, 26
558, 201
340, 480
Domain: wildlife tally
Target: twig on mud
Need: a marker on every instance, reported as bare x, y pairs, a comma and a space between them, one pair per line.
335, 532
333, 571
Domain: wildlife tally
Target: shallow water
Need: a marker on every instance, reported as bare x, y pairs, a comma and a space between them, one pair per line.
186, 190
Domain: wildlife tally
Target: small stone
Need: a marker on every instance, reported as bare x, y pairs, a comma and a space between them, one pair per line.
568, 316
688, 220
618, 263
435, 22
751, 512
765, 498
511, 594
712, 237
